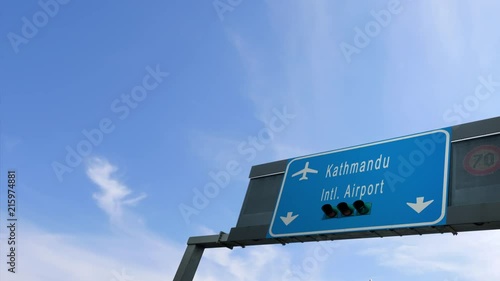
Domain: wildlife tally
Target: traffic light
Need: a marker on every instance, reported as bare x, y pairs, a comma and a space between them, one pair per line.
358, 208
329, 211
345, 209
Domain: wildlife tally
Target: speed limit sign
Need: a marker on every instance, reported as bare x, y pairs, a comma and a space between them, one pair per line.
482, 160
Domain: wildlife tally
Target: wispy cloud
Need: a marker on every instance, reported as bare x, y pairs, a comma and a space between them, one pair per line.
51, 255
113, 195
219, 264
445, 16
245, 264
468, 255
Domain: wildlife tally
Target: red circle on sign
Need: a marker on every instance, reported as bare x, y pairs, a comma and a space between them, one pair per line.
476, 157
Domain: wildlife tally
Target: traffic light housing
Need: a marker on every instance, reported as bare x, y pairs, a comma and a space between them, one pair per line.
343, 209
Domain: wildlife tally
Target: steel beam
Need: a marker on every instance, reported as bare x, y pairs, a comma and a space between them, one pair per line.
189, 263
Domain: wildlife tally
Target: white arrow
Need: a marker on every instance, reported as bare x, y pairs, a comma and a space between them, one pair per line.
420, 205
289, 218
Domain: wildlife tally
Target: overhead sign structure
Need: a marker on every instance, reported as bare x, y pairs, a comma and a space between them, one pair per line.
397, 183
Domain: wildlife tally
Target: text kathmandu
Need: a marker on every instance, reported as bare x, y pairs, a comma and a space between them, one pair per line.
347, 168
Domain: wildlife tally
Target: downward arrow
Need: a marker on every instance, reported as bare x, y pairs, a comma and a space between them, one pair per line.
420, 205
289, 218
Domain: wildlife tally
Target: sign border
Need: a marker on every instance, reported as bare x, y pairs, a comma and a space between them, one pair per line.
445, 188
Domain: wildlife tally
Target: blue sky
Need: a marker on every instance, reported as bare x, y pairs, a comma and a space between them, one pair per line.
171, 92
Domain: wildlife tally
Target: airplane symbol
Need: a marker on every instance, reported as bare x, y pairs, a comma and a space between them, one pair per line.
304, 172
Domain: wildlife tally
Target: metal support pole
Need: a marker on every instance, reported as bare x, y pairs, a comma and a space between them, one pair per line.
189, 263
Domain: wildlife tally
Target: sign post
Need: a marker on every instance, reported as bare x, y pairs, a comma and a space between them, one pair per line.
397, 183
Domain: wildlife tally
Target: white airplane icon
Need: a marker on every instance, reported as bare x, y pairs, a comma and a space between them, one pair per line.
304, 172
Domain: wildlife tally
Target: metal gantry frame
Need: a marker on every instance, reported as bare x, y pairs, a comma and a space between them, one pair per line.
189, 263
194, 252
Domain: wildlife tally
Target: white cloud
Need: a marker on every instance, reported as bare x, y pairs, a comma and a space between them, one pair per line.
472, 256
113, 195
252, 264
445, 18
147, 260
47, 255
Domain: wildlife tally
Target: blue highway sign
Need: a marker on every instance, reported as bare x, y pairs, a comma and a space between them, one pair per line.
395, 183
